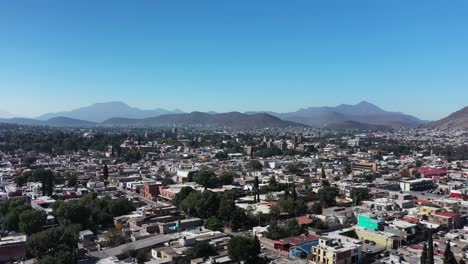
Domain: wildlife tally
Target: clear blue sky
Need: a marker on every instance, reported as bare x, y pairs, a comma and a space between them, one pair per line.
409, 56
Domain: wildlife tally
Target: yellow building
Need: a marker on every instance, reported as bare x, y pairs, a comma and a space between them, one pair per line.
333, 250
384, 239
429, 210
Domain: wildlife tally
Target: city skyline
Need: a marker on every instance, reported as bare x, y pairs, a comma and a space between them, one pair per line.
241, 56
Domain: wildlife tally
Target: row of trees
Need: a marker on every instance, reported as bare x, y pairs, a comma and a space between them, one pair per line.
240, 249
59, 244
46, 177
287, 228
207, 205
17, 215
55, 245
427, 255
54, 141
90, 211
208, 178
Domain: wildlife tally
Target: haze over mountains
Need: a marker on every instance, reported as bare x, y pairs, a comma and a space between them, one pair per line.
457, 120
100, 112
5, 114
232, 119
363, 115
363, 112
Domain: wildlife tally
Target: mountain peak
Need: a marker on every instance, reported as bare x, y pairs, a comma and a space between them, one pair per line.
365, 103
362, 108
99, 112
120, 103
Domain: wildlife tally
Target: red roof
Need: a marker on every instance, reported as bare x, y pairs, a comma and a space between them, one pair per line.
303, 220
448, 214
411, 220
297, 240
40, 201
432, 172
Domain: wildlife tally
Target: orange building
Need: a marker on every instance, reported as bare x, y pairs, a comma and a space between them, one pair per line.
150, 191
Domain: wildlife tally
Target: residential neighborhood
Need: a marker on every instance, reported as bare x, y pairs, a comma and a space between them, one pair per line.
208, 196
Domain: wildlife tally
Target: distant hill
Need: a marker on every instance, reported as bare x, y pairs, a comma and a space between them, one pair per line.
69, 122
22, 121
363, 112
100, 112
457, 120
232, 120
5, 114
54, 122
363, 115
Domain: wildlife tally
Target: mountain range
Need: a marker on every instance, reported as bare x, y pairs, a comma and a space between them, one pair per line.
53, 122
5, 114
100, 112
363, 115
457, 120
232, 119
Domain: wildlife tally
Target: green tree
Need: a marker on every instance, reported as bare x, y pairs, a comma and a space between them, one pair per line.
316, 208
254, 165
449, 258
183, 193
213, 223
359, 194
208, 205
31, 221
256, 190
244, 249
318, 224
105, 172
206, 178
423, 259
90, 211
286, 205
55, 245
114, 237
306, 183
272, 182
325, 183
227, 177
202, 204
47, 179
221, 155
203, 250
10, 212
189, 204
72, 179
284, 229
227, 205
327, 196
23, 179
120, 206
72, 213
430, 248
323, 175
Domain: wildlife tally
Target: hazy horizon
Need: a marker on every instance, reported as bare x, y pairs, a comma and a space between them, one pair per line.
234, 56
7, 114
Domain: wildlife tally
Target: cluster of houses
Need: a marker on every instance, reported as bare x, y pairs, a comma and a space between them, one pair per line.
407, 195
